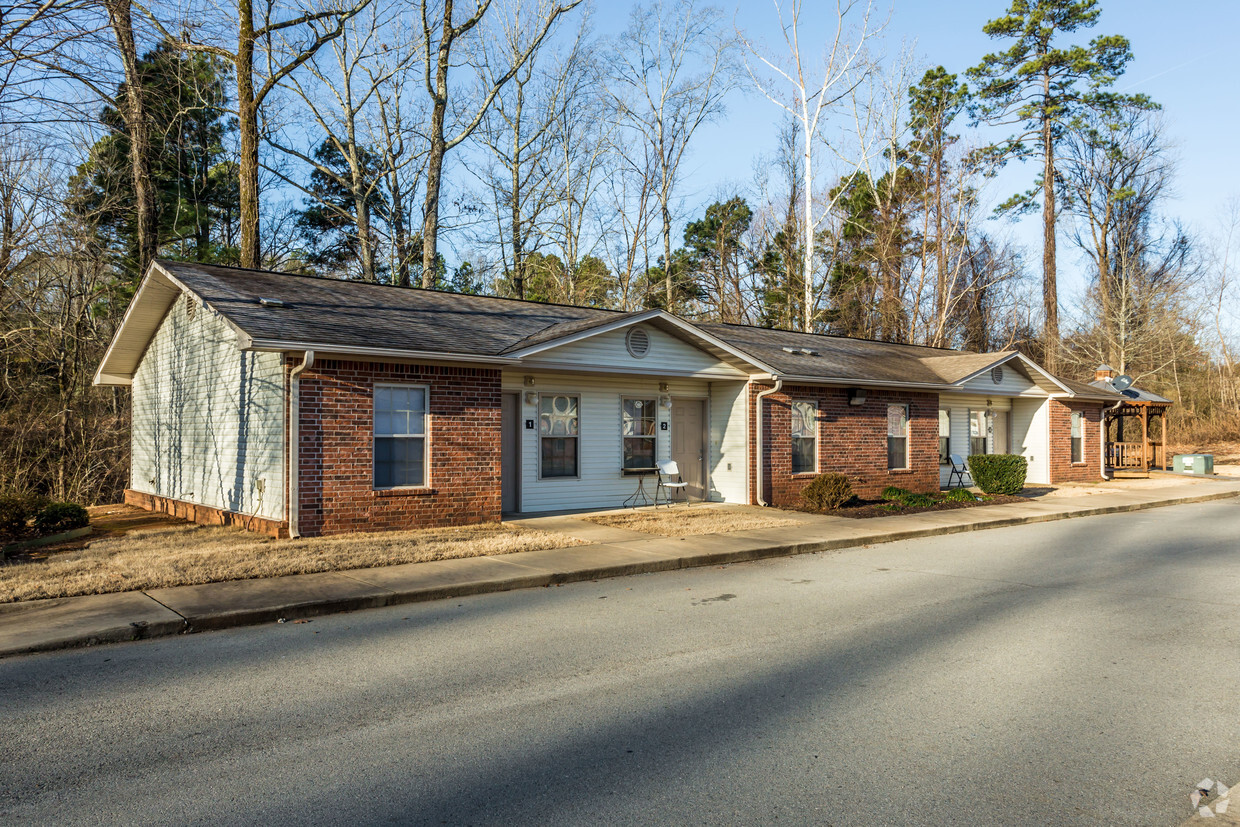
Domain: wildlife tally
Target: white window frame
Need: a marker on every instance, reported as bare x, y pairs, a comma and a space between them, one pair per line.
653, 399
541, 436
817, 428
945, 458
1079, 418
908, 429
425, 436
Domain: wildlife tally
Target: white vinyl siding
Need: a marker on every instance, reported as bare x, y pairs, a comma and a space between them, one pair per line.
208, 418
601, 482
1014, 383
729, 442
666, 355
1026, 422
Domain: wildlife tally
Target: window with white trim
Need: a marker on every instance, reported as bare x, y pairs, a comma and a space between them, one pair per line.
558, 435
400, 436
1078, 447
638, 431
804, 437
945, 436
897, 437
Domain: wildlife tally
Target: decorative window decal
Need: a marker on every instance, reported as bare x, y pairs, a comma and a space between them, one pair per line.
638, 426
637, 340
557, 435
897, 437
804, 437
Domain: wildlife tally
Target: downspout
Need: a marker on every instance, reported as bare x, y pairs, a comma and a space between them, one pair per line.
293, 399
779, 383
1102, 439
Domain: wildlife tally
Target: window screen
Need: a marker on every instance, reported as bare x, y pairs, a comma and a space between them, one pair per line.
399, 436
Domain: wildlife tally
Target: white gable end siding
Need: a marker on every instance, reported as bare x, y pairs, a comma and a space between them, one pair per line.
208, 418
1013, 383
600, 483
667, 354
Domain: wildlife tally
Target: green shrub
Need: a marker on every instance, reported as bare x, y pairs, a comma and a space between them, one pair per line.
959, 495
999, 473
912, 500
827, 491
891, 492
13, 514
61, 517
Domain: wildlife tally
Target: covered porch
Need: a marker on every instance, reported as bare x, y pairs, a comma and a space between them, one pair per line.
1135, 430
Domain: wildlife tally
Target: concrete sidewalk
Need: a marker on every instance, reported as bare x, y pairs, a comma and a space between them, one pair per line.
58, 623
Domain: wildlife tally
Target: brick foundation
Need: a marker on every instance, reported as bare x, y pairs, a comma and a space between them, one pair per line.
852, 440
1062, 468
204, 514
336, 487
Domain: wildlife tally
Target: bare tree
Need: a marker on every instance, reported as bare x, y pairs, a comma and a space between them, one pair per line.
342, 96
285, 44
519, 132
441, 34
811, 98
670, 71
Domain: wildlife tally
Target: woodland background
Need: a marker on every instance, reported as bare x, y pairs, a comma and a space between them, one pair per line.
507, 147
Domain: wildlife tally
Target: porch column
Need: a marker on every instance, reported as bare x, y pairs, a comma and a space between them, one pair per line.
1145, 437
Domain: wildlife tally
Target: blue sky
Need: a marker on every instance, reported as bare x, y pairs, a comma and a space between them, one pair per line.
1185, 58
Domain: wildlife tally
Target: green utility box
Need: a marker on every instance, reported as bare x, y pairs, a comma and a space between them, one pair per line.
1194, 463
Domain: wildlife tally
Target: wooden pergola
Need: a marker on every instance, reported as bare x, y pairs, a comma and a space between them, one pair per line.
1130, 444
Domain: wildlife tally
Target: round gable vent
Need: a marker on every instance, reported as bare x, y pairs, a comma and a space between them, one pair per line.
638, 342
996, 374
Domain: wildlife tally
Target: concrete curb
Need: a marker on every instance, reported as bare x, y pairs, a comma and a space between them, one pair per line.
334, 592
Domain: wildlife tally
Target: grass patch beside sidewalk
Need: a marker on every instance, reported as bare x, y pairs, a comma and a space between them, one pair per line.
186, 555
685, 521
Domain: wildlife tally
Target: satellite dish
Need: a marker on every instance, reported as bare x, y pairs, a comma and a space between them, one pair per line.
1122, 383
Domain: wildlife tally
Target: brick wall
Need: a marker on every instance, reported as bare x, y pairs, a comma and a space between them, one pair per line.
336, 492
852, 440
1061, 465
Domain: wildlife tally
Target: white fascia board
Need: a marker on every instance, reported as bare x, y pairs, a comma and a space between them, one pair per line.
327, 350
149, 285
573, 367
1032, 364
648, 315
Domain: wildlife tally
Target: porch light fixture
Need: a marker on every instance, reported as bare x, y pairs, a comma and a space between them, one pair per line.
856, 396
665, 402
531, 397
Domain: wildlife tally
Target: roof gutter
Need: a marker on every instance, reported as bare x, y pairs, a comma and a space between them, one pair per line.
278, 345
779, 383
294, 390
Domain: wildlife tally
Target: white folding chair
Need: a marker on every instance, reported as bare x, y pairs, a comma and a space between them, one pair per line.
669, 471
959, 469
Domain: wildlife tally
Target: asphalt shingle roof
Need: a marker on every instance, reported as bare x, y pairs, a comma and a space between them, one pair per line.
330, 312
362, 314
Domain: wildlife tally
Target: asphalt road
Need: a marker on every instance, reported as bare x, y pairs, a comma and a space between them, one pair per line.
1078, 672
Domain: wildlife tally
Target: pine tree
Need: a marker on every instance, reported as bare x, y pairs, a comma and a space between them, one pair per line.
1043, 88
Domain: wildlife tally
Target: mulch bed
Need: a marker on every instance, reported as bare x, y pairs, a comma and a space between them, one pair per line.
864, 509
105, 521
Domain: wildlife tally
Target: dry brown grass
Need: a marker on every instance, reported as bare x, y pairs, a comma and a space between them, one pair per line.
188, 555
681, 522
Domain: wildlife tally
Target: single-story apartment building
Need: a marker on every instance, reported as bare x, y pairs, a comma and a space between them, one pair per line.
298, 405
